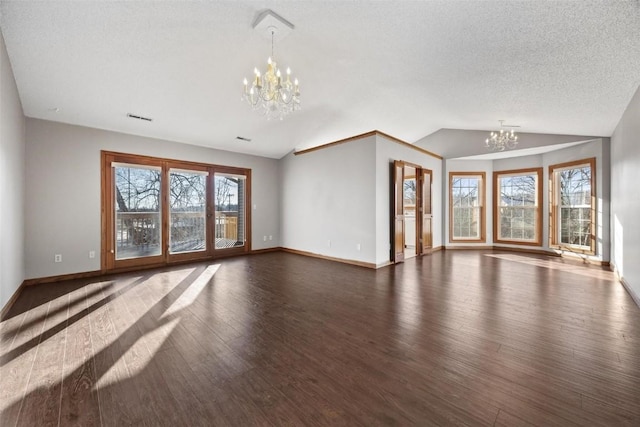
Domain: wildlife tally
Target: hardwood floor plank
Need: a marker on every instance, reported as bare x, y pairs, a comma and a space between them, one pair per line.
140, 338
41, 405
509, 420
18, 358
118, 364
458, 337
198, 404
79, 403
616, 414
266, 397
117, 398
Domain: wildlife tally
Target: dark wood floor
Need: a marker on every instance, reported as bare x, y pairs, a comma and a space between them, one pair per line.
459, 337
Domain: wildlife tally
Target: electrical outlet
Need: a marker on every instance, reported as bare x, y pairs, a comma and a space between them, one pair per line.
270, 237
358, 246
92, 254
329, 243
264, 238
57, 258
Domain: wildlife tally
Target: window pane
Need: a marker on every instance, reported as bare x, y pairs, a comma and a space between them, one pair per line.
466, 207
575, 206
409, 187
229, 199
517, 207
138, 222
188, 201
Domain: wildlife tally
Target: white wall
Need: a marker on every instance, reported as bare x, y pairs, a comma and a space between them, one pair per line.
522, 162
12, 172
386, 152
63, 191
342, 194
329, 195
625, 196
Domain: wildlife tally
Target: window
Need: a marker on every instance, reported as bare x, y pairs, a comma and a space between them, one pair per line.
158, 211
230, 208
466, 207
137, 211
187, 204
517, 202
573, 205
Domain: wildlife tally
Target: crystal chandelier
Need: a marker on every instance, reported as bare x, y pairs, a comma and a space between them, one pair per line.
270, 92
499, 141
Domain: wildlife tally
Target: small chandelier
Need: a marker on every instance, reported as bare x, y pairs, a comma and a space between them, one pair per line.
499, 141
270, 92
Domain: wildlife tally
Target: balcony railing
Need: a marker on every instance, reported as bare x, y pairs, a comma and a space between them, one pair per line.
138, 234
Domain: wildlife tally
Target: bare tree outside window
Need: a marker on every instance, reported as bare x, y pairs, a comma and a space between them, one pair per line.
188, 200
159, 211
575, 206
517, 210
138, 218
410, 191
466, 207
409, 196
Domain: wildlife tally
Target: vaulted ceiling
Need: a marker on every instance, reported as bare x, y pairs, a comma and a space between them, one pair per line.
405, 68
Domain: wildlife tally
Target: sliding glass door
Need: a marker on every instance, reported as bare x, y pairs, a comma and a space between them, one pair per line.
138, 220
158, 211
230, 191
187, 213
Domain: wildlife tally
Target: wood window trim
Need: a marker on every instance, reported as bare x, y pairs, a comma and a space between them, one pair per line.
482, 198
230, 170
553, 207
107, 214
496, 208
175, 164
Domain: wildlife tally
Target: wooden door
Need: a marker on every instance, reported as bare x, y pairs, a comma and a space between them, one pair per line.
425, 212
398, 211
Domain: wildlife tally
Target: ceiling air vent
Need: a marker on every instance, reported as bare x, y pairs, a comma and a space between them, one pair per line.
133, 116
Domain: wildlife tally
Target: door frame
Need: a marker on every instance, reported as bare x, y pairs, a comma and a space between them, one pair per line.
426, 212
108, 263
398, 226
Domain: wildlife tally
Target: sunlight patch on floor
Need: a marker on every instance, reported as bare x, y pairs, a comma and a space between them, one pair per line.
189, 296
30, 322
141, 353
138, 356
555, 265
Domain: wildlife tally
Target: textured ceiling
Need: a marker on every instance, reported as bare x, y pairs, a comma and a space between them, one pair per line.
405, 68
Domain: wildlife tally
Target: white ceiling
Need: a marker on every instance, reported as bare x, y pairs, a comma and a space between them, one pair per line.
405, 68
